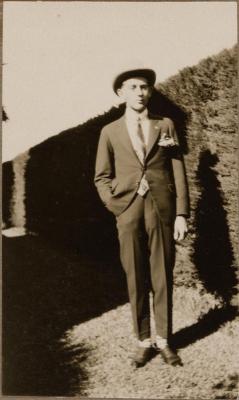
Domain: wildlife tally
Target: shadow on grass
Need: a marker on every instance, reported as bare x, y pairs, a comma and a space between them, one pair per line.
46, 291
206, 325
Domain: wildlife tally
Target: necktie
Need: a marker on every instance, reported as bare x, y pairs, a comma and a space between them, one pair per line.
142, 146
143, 186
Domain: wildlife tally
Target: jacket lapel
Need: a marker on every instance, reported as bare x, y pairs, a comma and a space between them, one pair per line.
125, 138
154, 133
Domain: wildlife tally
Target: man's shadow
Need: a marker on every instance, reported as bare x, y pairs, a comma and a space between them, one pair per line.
212, 255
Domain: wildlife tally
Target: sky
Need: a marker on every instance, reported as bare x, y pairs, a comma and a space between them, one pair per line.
60, 58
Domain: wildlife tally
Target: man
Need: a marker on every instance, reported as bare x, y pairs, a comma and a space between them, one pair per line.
140, 178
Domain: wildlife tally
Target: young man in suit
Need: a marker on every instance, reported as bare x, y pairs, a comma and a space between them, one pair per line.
140, 177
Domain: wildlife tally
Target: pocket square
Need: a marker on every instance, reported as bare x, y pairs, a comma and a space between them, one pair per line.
166, 141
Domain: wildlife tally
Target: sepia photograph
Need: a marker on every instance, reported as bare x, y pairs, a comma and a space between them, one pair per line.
120, 200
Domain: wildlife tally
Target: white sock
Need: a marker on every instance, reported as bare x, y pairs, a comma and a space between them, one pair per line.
145, 343
161, 342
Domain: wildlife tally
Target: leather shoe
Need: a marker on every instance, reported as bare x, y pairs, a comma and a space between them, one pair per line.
170, 357
142, 356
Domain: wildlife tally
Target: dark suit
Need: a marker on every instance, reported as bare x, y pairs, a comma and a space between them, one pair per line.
145, 225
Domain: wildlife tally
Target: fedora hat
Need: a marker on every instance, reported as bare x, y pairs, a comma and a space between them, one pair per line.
146, 73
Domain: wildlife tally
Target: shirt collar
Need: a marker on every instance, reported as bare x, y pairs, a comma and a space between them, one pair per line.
132, 115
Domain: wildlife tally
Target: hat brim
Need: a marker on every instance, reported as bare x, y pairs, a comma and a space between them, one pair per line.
148, 74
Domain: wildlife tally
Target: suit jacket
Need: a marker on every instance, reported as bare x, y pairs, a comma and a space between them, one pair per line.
118, 170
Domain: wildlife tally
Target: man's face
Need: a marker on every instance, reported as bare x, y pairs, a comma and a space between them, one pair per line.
135, 92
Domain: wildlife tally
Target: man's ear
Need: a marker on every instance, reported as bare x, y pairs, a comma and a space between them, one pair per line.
119, 92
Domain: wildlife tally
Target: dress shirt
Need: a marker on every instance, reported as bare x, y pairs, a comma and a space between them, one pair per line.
132, 120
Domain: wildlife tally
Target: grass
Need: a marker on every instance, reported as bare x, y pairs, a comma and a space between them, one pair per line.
67, 330
210, 361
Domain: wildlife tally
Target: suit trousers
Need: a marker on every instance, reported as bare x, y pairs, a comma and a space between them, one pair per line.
147, 255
